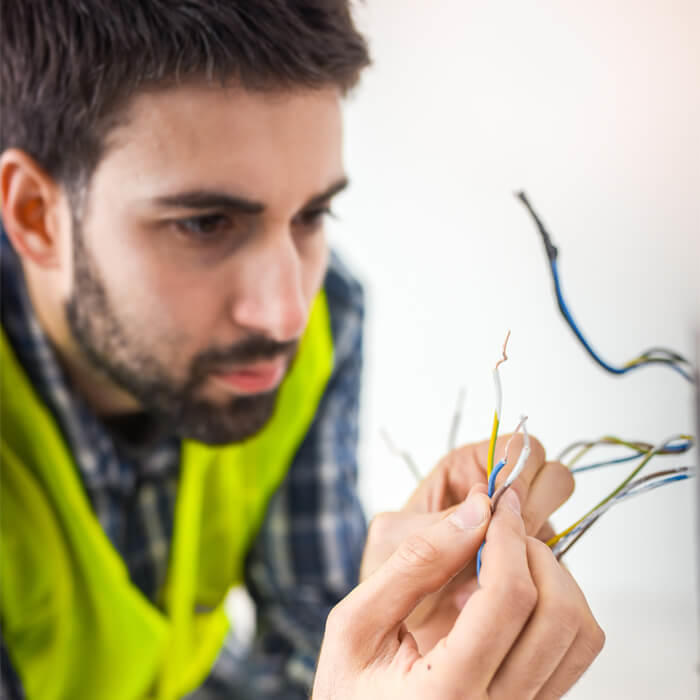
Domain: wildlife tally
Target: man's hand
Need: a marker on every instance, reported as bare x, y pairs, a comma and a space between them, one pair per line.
542, 487
527, 632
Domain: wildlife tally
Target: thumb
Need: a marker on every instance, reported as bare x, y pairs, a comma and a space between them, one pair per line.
422, 564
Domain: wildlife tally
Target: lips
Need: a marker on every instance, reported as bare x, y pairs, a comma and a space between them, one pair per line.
255, 378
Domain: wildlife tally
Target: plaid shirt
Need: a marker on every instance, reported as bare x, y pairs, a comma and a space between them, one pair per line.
307, 554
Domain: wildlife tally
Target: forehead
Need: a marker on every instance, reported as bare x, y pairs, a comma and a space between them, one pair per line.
273, 146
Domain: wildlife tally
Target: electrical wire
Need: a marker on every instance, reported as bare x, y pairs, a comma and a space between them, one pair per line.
519, 465
494, 495
638, 447
635, 488
403, 454
499, 405
655, 355
619, 489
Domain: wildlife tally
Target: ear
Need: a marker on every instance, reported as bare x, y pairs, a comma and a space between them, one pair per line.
29, 199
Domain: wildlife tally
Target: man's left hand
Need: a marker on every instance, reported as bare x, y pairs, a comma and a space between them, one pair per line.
542, 487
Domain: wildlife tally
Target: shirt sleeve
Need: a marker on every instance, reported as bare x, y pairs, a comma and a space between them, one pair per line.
307, 554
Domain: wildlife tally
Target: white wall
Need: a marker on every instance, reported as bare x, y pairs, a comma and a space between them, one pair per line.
593, 108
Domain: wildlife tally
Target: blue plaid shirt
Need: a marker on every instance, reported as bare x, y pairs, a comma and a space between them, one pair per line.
307, 554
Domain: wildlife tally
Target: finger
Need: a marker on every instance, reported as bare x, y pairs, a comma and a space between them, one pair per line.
549, 633
449, 482
422, 564
550, 488
494, 616
588, 644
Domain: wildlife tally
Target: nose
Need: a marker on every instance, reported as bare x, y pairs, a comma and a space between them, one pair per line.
272, 301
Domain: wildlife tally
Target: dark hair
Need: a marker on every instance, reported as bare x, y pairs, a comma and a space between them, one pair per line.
67, 67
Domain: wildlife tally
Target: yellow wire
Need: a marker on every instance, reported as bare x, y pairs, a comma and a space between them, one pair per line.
492, 446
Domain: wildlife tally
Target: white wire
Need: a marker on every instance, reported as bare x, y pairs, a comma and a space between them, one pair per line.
524, 454
499, 392
403, 454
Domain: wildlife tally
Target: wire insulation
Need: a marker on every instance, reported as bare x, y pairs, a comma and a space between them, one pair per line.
655, 355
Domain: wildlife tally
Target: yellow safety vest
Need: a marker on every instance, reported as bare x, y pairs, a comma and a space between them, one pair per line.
74, 625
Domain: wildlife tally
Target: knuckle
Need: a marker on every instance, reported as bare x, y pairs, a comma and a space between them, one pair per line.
338, 618
521, 596
379, 526
567, 615
342, 631
417, 552
597, 640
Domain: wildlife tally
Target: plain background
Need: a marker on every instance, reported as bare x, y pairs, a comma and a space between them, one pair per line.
593, 108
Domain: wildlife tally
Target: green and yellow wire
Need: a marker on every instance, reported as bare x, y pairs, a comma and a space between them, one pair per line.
648, 454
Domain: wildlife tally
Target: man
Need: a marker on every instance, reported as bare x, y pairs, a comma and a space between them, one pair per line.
180, 370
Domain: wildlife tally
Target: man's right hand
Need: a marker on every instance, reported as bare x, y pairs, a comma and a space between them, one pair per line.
527, 632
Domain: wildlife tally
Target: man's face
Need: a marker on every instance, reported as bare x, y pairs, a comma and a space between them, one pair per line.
199, 249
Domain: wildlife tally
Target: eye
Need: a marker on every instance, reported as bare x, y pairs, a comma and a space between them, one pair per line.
312, 219
206, 227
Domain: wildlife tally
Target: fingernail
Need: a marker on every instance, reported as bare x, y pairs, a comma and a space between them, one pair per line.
510, 498
470, 514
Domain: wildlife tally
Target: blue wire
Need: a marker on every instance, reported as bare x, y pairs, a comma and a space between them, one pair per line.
494, 474
682, 447
596, 465
491, 491
584, 342
656, 484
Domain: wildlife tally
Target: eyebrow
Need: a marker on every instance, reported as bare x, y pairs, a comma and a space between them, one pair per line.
212, 199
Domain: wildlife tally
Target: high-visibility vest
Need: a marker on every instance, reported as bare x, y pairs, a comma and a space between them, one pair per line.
74, 625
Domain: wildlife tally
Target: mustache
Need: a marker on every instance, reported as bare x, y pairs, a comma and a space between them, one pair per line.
252, 349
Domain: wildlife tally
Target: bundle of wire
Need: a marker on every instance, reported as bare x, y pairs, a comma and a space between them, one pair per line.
562, 542
658, 356
638, 448
629, 487
492, 471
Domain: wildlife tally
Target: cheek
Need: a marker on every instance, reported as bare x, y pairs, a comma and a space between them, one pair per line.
164, 306
314, 255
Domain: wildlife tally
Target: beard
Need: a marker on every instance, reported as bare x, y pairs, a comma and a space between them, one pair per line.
109, 346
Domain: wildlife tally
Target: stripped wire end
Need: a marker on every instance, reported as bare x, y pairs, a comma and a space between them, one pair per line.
505, 347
